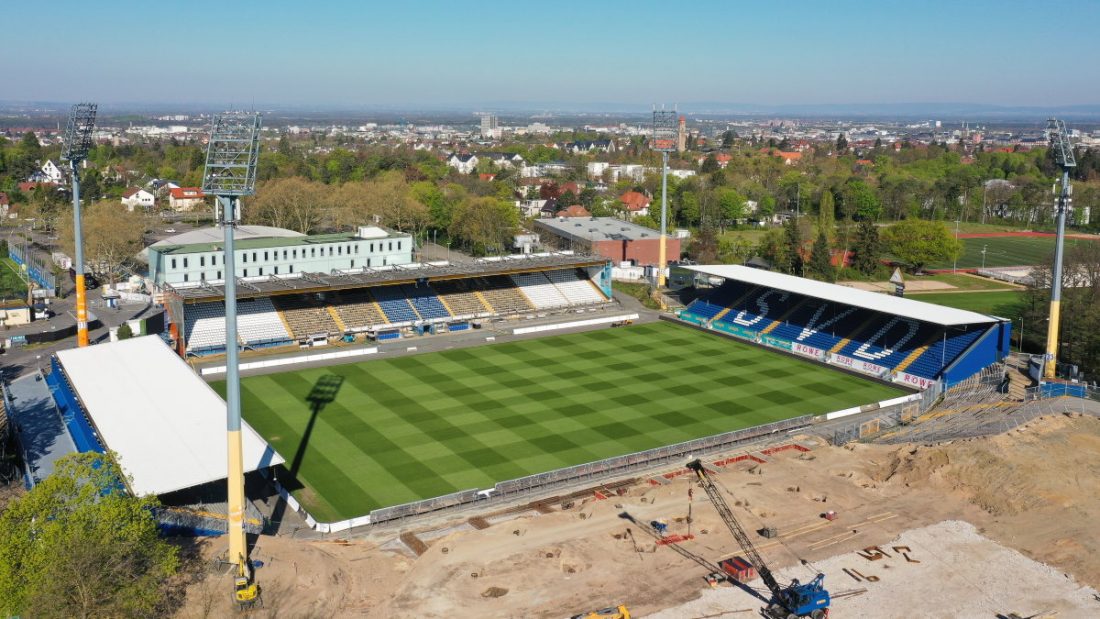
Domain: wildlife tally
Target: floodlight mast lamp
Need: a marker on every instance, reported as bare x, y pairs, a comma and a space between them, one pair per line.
78, 141
665, 128
1062, 150
230, 173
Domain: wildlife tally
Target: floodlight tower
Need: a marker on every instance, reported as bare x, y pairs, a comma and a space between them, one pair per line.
78, 141
665, 133
1062, 150
230, 173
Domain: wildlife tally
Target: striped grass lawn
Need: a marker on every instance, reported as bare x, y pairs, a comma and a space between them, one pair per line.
1003, 303
414, 427
1006, 251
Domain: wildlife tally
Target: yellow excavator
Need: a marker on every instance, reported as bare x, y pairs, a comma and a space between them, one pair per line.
612, 612
245, 589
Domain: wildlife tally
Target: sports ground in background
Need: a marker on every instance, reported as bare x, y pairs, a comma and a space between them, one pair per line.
1007, 249
391, 431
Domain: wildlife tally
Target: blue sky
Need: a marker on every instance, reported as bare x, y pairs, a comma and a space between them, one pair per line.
360, 53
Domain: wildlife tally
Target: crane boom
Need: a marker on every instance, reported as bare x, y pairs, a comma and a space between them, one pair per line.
735, 528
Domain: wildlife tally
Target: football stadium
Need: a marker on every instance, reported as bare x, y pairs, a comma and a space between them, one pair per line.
520, 385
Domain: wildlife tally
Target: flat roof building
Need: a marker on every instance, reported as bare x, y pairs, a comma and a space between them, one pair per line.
197, 256
614, 239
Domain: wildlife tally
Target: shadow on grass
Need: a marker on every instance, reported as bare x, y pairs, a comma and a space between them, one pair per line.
322, 394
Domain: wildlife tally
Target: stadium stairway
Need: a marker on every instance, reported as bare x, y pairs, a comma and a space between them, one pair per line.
917, 352
779, 321
395, 304
484, 301
336, 318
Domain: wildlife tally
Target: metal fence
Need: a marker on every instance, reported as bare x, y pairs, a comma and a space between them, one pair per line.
37, 267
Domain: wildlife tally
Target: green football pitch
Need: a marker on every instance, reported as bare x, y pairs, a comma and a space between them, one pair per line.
391, 431
1006, 251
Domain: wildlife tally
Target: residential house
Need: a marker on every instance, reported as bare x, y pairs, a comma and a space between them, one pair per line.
465, 163
589, 146
503, 160
137, 197
5, 204
636, 203
723, 159
574, 211
185, 198
530, 208
789, 157
52, 173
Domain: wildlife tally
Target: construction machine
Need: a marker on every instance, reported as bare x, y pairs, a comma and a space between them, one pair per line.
612, 612
791, 602
245, 589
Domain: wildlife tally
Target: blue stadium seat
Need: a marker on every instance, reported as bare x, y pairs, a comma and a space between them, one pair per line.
942, 353
759, 309
426, 302
393, 302
889, 340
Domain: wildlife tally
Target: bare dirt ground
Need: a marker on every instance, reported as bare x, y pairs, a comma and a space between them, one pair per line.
1035, 490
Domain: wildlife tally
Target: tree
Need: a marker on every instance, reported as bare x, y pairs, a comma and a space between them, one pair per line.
125, 332
710, 164
826, 212
294, 203
860, 200
917, 242
819, 259
112, 236
867, 248
79, 545
793, 236
484, 225
841, 143
728, 136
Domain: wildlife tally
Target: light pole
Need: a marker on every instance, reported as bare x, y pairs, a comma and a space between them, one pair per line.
1065, 158
665, 130
955, 263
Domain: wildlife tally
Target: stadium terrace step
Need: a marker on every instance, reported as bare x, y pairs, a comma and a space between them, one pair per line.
336, 318
484, 302
839, 345
917, 352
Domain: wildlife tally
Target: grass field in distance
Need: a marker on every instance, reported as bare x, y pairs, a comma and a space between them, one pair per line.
414, 427
1006, 251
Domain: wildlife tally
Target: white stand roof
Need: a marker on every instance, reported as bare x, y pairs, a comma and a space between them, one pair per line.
876, 301
164, 422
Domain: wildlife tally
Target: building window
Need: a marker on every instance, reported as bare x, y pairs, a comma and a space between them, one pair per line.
368, 263
185, 263
291, 269
219, 274
244, 257
399, 246
253, 256
330, 250
265, 257
246, 273
261, 270
284, 254
173, 263
214, 260
312, 252
391, 246
357, 248
384, 261
276, 270
339, 250
295, 254
202, 261
185, 277
353, 264
202, 276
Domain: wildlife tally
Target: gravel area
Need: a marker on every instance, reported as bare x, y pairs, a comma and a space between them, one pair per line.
961, 575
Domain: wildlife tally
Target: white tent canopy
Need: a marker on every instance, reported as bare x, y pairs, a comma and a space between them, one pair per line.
164, 422
899, 306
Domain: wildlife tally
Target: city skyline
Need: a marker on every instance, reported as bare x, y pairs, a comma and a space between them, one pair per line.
495, 54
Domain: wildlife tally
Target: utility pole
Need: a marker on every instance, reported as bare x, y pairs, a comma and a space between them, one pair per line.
1065, 158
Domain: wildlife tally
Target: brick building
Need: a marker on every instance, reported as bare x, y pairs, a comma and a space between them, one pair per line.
615, 239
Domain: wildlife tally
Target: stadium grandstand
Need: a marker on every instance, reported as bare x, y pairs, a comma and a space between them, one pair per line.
137, 399
386, 302
891, 338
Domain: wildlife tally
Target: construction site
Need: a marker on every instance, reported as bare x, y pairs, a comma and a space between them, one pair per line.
965, 511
